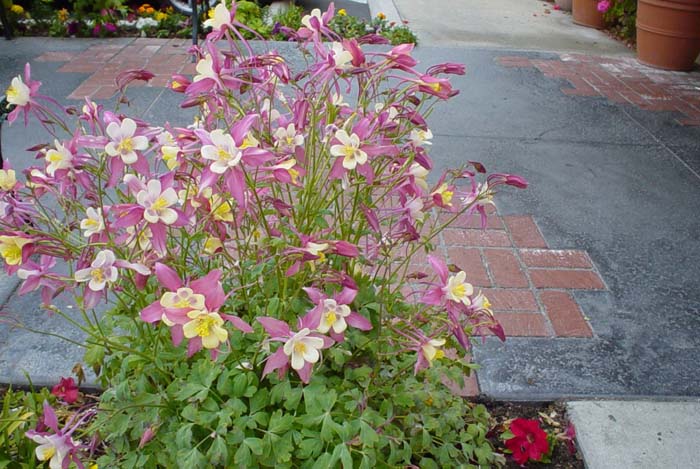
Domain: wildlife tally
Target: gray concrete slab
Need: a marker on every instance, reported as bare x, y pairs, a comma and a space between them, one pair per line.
522, 24
637, 434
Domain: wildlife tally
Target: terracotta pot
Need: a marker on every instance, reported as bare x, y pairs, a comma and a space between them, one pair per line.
564, 5
668, 33
586, 14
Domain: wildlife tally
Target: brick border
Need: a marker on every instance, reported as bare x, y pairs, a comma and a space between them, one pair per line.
622, 80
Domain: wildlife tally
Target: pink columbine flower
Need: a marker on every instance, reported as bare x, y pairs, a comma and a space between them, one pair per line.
101, 271
66, 390
58, 447
452, 288
21, 93
36, 275
222, 19
301, 349
333, 315
124, 142
348, 148
157, 202
223, 152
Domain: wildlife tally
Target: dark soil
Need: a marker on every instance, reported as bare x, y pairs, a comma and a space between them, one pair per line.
553, 419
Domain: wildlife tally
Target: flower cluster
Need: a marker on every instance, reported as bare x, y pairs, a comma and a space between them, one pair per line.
283, 217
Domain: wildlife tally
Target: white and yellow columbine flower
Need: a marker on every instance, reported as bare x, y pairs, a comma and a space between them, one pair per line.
207, 326
8, 179
140, 237
169, 155
317, 249
220, 17
421, 137
157, 203
420, 175
341, 56
123, 141
58, 158
306, 20
288, 138
220, 208
349, 149
17, 93
444, 193
223, 152
183, 298
52, 448
458, 290
11, 248
333, 317
393, 112
205, 69
100, 272
303, 349
211, 245
94, 223
431, 349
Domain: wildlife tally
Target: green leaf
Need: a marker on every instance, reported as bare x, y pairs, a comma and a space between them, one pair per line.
192, 389
368, 436
218, 452
342, 452
324, 461
280, 423
328, 427
242, 456
255, 445
183, 437
259, 401
240, 383
310, 448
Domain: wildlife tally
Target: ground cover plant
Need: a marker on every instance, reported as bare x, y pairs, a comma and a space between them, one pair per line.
245, 284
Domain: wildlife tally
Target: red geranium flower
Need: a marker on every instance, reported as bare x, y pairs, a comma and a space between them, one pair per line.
529, 441
66, 390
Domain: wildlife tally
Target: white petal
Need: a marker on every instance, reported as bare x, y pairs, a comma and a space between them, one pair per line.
140, 142
168, 216
128, 127
114, 131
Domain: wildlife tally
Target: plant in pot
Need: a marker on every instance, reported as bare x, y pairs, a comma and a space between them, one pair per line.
259, 288
668, 33
590, 12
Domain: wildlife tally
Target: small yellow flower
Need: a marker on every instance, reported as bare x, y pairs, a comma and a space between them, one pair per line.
160, 16
381, 16
62, 15
342, 12
17, 9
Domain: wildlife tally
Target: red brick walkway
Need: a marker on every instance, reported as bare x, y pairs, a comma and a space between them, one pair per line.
622, 80
163, 57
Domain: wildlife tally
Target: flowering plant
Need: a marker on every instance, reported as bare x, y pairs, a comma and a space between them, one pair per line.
262, 306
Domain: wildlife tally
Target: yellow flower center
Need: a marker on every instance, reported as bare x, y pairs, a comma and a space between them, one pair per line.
290, 140
446, 197
11, 93
435, 86
223, 155
182, 303
331, 318
487, 303
12, 253
349, 151
97, 275
126, 145
294, 174
159, 204
205, 326
48, 453
439, 353
299, 348
459, 290
248, 142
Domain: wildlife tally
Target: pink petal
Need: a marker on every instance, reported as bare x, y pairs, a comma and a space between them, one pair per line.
49, 417
168, 277
275, 361
346, 296
439, 267
152, 313
432, 296
305, 373
176, 334
358, 321
315, 295
276, 328
237, 322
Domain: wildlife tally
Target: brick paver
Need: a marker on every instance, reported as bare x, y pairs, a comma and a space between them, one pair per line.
622, 80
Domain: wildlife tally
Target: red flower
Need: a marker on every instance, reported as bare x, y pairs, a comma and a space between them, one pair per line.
529, 441
66, 390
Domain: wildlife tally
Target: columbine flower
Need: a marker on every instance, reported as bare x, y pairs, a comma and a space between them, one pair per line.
11, 249
57, 448
288, 138
157, 204
529, 442
458, 290
349, 149
183, 298
307, 19
442, 196
94, 223
18, 93
220, 208
58, 158
123, 141
420, 175
223, 152
101, 271
8, 180
333, 316
302, 349
169, 155
341, 57
207, 326
431, 349
420, 137
220, 18
66, 390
